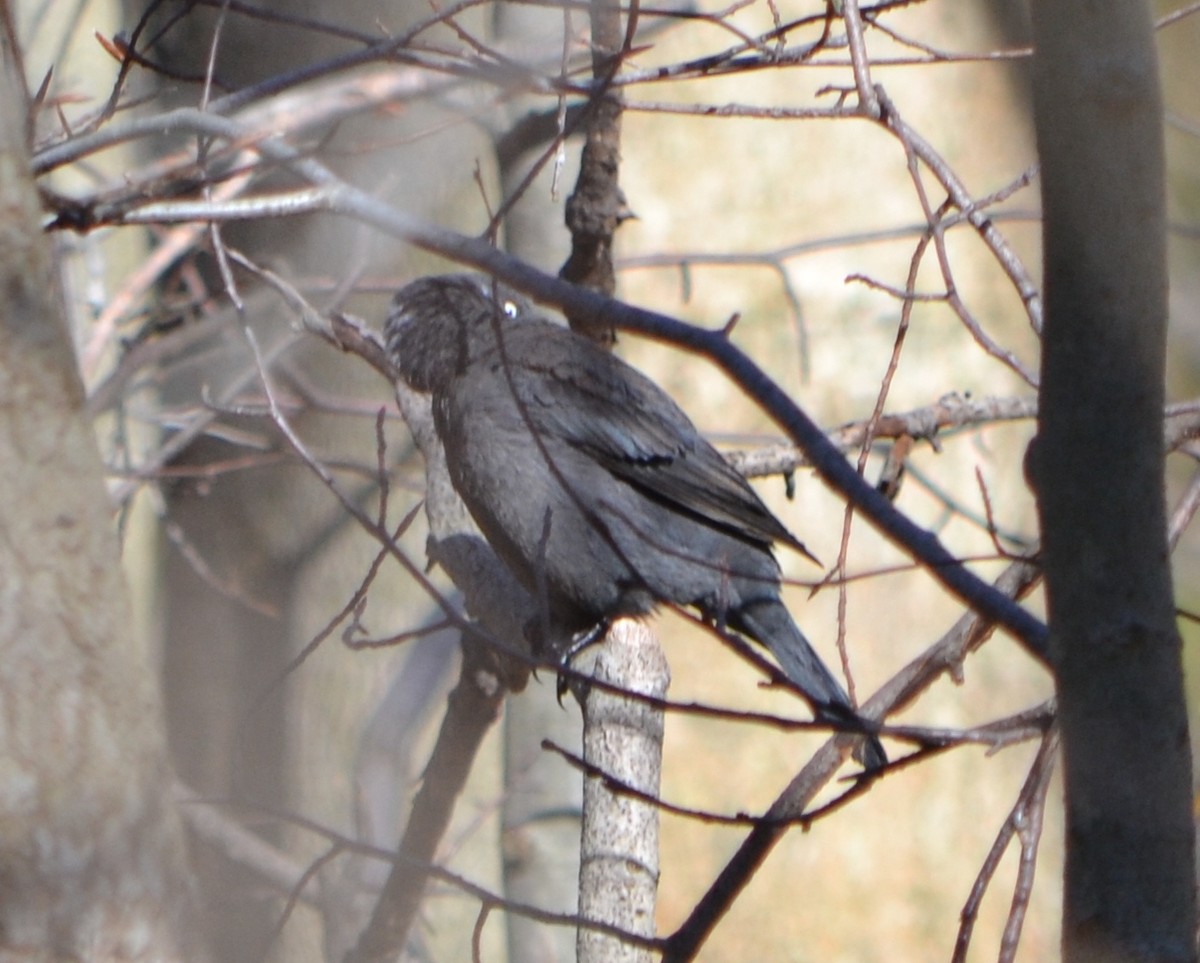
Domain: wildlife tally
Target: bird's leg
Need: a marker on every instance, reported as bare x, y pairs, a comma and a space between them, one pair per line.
579, 641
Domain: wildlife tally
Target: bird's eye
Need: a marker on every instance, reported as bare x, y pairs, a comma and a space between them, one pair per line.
511, 309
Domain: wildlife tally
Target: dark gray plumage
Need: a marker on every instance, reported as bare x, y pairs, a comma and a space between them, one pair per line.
589, 482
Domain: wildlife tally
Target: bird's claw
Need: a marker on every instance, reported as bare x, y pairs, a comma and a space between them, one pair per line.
579, 642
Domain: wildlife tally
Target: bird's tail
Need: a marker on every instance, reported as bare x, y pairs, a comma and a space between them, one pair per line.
769, 623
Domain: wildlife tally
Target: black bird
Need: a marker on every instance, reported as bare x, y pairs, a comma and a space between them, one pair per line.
590, 483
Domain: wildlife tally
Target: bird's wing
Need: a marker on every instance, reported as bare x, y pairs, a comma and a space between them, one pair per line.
633, 429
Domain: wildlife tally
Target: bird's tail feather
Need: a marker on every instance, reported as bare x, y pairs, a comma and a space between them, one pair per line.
769, 623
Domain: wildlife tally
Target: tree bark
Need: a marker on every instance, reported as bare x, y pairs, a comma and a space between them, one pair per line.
622, 737
1097, 466
92, 855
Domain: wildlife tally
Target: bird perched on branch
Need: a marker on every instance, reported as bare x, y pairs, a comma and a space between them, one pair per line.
590, 483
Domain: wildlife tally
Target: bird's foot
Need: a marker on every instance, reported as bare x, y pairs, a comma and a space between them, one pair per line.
579, 642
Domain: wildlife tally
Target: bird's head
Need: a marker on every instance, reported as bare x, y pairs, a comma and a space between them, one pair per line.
438, 325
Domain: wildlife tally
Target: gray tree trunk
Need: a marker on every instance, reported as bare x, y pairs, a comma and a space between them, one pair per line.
1097, 464
92, 855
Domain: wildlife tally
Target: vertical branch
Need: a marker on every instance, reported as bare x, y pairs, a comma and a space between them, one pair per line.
1025, 823
618, 873
1130, 887
860, 61
597, 207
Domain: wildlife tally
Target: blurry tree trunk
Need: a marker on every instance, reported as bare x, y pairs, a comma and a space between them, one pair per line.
542, 798
275, 532
222, 658
92, 855
1097, 466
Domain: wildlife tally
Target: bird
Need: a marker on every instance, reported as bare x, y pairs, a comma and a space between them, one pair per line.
592, 486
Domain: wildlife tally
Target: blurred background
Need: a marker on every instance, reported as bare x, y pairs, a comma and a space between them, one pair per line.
753, 198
